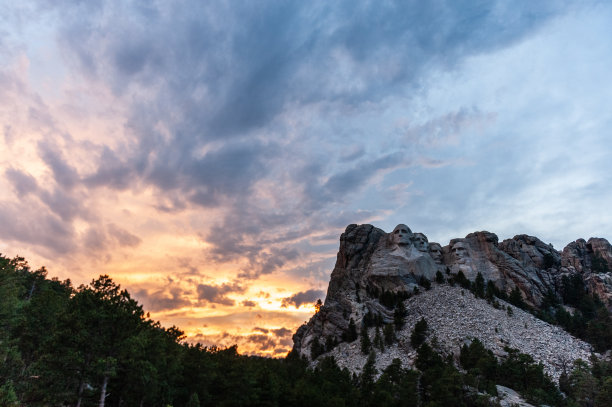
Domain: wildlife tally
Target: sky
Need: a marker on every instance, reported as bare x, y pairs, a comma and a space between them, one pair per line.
208, 155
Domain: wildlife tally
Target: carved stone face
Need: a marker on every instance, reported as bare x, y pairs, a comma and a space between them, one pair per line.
401, 235
435, 251
460, 252
420, 242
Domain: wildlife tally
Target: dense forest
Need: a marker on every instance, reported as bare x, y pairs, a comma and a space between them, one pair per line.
95, 345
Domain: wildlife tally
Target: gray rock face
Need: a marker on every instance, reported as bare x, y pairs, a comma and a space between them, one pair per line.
371, 262
592, 260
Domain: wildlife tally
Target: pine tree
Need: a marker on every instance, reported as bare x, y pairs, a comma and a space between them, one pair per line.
389, 334
479, 286
516, 298
366, 344
351, 334
418, 333
399, 314
194, 401
316, 349
378, 340
604, 398
367, 379
424, 282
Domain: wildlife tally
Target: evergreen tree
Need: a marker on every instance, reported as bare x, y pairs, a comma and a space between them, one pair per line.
418, 333
480, 364
582, 385
491, 291
366, 344
368, 319
316, 349
604, 397
330, 343
399, 314
572, 290
378, 340
351, 334
424, 282
479, 286
462, 280
439, 277
8, 397
366, 380
397, 386
389, 334
516, 298
194, 400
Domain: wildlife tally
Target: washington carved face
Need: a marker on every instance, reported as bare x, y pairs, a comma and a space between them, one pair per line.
460, 252
420, 242
401, 235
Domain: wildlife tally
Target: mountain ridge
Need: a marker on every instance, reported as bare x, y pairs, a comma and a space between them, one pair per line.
375, 269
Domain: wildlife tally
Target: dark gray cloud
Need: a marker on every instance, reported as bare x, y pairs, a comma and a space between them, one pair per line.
263, 342
261, 59
95, 239
260, 341
282, 332
345, 182
67, 205
217, 294
39, 228
22, 182
102, 238
215, 86
266, 262
303, 297
65, 175
248, 303
8, 134
122, 236
111, 172
162, 300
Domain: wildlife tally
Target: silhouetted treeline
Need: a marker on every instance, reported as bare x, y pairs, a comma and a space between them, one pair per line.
94, 345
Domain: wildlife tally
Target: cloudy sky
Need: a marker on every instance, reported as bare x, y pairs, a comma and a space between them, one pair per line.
207, 155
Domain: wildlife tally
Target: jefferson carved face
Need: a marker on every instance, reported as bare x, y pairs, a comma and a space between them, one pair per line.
420, 242
401, 235
435, 251
460, 252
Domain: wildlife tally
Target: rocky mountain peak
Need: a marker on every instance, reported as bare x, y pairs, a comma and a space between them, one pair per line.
375, 271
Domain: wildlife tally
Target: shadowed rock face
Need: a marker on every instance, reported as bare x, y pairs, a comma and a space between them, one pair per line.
371, 261
591, 259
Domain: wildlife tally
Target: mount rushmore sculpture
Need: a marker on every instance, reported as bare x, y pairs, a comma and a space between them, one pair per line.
371, 260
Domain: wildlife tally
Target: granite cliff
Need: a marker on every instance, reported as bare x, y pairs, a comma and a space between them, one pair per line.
373, 267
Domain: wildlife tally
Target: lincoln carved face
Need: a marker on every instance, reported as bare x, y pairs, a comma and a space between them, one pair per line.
460, 252
401, 235
420, 242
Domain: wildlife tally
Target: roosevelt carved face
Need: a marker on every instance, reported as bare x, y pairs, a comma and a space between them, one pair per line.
420, 242
435, 251
401, 235
460, 252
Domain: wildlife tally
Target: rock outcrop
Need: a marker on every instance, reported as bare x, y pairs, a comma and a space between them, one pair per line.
373, 265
